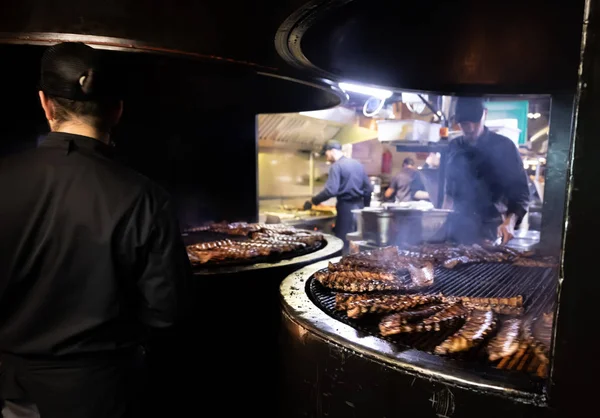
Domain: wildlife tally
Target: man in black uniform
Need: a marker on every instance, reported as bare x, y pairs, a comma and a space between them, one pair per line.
91, 258
407, 185
348, 183
486, 184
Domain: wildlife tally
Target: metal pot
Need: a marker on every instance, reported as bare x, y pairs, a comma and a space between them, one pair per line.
397, 226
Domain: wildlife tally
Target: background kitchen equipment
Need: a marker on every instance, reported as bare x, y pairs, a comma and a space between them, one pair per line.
399, 226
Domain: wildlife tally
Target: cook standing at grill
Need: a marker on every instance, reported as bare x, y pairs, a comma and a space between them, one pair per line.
91, 257
349, 184
486, 184
407, 185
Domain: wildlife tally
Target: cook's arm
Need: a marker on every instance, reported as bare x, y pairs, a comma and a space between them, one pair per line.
332, 186
515, 184
164, 280
516, 191
392, 189
153, 262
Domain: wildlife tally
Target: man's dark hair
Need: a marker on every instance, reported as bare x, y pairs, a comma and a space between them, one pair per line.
81, 82
408, 161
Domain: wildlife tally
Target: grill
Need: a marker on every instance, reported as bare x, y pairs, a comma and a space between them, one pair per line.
536, 285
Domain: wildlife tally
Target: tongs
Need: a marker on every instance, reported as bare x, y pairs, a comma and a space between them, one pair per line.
497, 242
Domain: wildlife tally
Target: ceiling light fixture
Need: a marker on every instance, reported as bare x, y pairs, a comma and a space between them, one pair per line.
369, 91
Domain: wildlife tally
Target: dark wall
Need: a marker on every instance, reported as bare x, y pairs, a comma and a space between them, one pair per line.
181, 127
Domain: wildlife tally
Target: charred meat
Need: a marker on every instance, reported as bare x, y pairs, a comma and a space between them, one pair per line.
546, 262
506, 342
377, 304
478, 325
421, 276
361, 281
512, 306
393, 324
408, 316
260, 241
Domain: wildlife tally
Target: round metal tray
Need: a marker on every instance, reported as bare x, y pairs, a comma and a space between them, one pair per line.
331, 247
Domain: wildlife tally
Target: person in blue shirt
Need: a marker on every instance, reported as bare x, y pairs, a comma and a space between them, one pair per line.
348, 183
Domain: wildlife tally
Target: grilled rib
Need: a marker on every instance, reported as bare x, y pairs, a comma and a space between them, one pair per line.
512, 306
532, 262
391, 325
540, 348
506, 342
377, 304
421, 276
405, 317
455, 261
203, 246
515, 301
542, 331
360, 281
477, 326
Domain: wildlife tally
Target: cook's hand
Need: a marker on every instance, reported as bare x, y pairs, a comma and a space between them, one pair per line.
308, 205
507, 229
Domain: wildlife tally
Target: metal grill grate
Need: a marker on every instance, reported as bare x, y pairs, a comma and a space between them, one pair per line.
536, 285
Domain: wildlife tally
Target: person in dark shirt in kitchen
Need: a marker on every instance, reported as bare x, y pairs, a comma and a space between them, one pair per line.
486, 184
92, 262
348, 183
407, 185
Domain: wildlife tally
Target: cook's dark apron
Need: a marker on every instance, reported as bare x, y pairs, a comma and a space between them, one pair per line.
345, 222
471, 228
106, 385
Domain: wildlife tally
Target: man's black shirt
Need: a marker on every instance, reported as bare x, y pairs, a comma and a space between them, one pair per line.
90, 251
486, 179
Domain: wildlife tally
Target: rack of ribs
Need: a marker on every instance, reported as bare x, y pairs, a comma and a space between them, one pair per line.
538, 333
542, 337
478, 325
361, 305
361, 281
512, 306
408, 316
203, 246
514, 301
506, 342
421, 275
546, 262
392, 324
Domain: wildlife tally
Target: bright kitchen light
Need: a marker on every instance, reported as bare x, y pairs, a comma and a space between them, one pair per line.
369, 91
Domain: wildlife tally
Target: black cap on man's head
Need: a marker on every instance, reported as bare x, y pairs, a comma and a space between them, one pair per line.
408, 161
469, 109
331, 144
75, 71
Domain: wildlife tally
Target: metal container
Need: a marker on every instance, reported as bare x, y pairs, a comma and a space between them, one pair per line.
397, 226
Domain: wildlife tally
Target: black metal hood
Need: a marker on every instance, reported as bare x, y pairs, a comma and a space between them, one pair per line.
461, 46
233, 41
